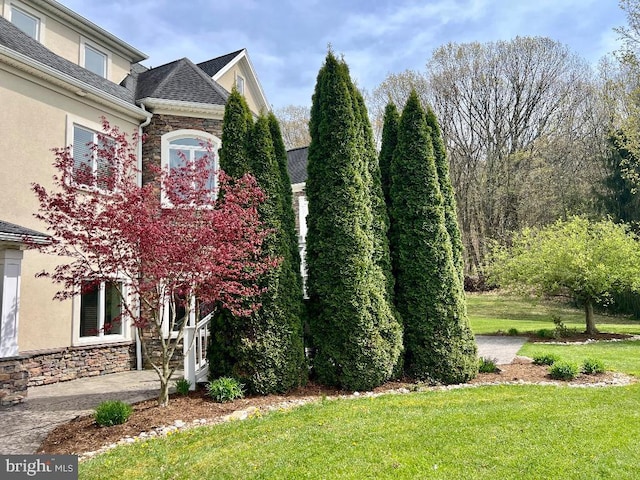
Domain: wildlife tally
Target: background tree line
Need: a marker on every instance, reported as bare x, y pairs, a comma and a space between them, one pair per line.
533, 132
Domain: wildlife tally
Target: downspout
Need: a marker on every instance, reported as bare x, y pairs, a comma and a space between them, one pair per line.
139, 180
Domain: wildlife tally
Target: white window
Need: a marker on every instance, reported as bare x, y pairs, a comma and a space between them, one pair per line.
188, 146
25, 21
99, 315
240, 84
90, 168
94, 59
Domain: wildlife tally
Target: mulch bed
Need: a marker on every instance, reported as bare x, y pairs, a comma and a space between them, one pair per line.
82, 435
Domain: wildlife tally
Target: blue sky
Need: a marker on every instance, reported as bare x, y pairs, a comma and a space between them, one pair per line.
287, 40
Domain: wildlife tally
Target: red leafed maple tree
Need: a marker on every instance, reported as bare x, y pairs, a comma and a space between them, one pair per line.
196, 247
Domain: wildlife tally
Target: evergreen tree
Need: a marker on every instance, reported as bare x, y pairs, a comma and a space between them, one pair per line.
372, 175
273, 352
618, 196
356, 335
389, 142
237, 123
226, 331
448, 195
438, 342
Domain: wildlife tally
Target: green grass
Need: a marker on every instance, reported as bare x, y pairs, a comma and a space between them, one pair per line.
617, 356
493, 312
503, 432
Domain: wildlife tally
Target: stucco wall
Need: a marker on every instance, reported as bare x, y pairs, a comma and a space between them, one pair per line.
228, 81
34, 120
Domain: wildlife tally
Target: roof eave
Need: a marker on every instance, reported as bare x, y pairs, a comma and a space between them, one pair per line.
162, 105
89, 27
80, 88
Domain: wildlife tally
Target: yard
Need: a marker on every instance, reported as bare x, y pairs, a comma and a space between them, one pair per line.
506, 431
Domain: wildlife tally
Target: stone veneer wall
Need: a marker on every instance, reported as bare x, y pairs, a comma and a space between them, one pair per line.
69, 363
162, 124
154, 349
14, 378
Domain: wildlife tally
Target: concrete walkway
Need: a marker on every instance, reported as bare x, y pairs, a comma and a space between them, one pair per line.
501, 349
24, 427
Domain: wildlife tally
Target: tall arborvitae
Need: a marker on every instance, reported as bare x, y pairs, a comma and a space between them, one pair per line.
389, 142
237, 123
226, 330
271, 354
288, 214
438, 342
290, 283
448, 195
380, 219
356, 335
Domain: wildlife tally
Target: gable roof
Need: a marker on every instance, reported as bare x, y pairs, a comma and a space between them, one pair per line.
17, 42
180, 81
297, 164
10, 232
213, 66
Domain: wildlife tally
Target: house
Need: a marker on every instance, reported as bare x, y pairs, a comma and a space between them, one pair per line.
59, 74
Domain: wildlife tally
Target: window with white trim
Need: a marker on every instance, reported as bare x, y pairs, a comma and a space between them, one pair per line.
26, 20
90, 168
101, 312
94, 58
188, 146
303, 211
240, 84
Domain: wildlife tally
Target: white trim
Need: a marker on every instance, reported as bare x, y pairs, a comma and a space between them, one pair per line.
166, 140
244, 54
80, 88
240, 78
186, 109
40, 34
96, 128
10, 278
298, 187
84, 44
101, 338
72, 20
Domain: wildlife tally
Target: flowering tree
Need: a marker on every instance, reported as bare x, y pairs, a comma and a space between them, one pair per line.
197, 247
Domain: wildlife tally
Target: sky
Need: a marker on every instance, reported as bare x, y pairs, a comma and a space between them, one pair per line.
287, 40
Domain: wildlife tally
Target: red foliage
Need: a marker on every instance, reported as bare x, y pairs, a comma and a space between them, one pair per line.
204, 245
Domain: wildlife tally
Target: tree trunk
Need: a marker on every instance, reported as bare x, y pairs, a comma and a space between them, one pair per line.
591, 322
165, 377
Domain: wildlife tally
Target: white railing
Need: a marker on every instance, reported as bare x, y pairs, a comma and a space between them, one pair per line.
196, 339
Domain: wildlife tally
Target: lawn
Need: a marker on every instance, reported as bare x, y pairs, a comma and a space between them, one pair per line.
503, 432
493, 312
491, 432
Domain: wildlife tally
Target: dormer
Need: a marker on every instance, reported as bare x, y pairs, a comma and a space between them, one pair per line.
72, 37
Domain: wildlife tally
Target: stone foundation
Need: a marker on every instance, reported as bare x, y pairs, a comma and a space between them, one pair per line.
14, 379
154, 349
60, 365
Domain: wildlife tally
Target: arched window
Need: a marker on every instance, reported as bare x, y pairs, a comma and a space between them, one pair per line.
189, 145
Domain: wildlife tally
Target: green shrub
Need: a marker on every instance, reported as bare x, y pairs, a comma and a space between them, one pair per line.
563, 371
182, 386
546, 333
225, 389
112, 412
513, 332
545, 359
487, 365
592, 366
